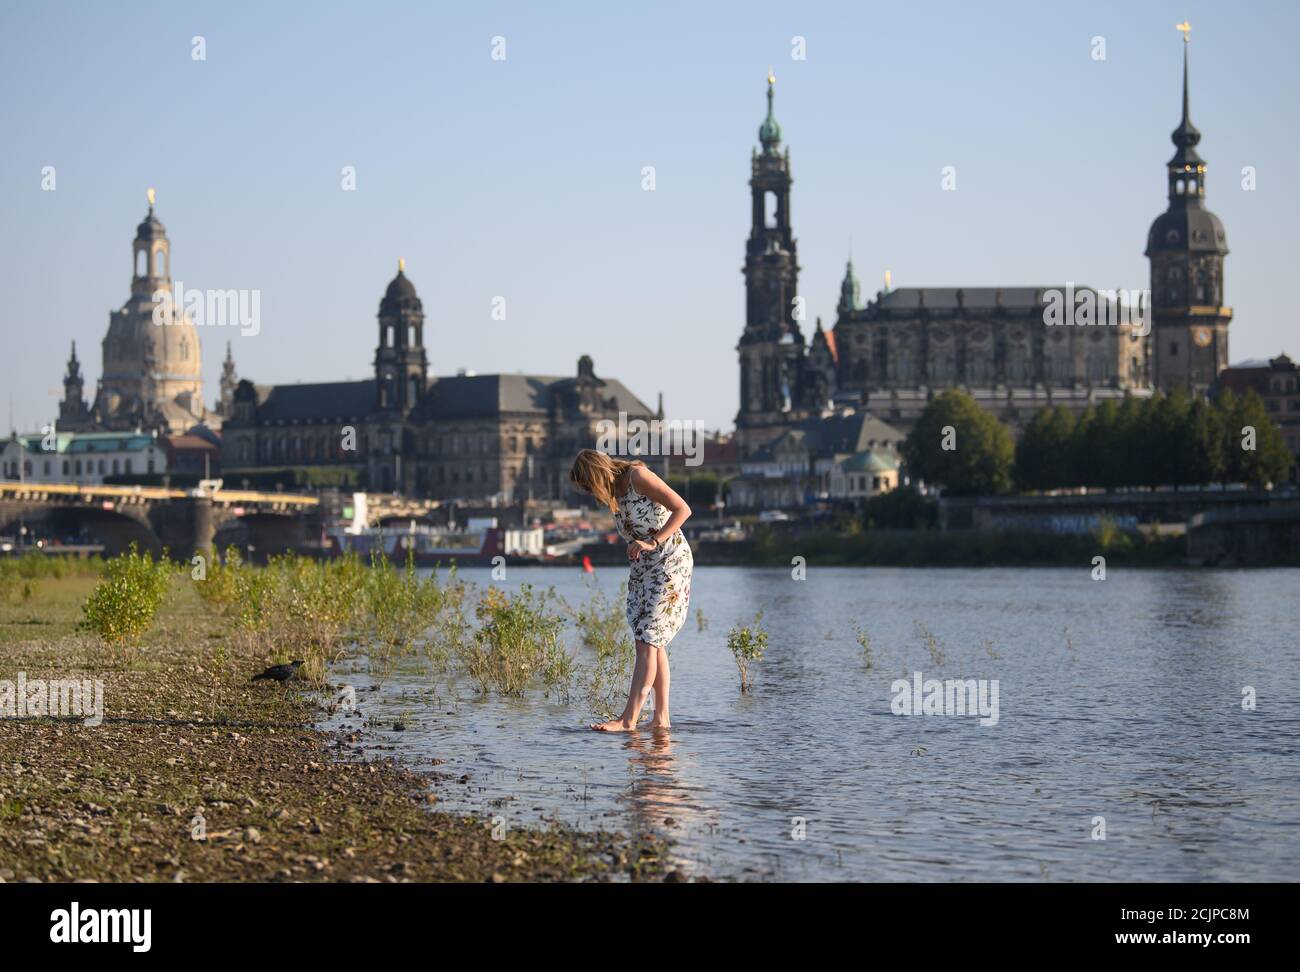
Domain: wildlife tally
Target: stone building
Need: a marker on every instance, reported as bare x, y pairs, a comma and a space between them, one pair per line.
151, 378
894, 353
495, 437
844, 456
1277, 382
83, 458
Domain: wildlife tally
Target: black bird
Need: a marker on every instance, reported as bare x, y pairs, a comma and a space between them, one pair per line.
280, 673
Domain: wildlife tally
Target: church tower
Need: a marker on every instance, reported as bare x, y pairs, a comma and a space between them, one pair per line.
401, 367
772, 346
152, 374
229, 382
1186, 247
74, 414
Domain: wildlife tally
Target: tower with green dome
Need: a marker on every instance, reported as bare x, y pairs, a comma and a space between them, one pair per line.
772, 345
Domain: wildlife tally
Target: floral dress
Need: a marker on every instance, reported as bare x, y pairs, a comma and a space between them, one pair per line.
659, 586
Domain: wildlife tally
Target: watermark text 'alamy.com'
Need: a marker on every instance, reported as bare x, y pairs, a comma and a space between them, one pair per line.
209, 308
1085, 307
655, 437
25, 697
946, 697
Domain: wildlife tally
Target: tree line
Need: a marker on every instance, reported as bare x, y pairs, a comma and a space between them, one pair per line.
1166, 440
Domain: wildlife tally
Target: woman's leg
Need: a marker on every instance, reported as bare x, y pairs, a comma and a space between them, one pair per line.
661, 720
643, 677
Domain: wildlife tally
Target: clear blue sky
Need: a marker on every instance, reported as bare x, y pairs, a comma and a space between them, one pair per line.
522, 178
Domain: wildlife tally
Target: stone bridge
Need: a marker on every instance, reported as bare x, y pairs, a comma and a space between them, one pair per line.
156, 518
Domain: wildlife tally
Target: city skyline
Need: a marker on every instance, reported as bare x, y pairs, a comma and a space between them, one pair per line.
543, 202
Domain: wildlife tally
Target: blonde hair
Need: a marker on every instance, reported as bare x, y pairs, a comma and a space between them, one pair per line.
596, 472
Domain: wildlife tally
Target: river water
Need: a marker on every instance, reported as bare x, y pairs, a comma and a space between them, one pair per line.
1122, 749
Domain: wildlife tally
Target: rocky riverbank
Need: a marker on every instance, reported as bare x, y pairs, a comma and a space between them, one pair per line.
190, 748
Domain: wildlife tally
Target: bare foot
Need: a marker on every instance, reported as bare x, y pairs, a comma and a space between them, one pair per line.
614, 725
663, 723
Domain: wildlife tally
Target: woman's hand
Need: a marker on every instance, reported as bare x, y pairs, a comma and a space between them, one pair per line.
636, 547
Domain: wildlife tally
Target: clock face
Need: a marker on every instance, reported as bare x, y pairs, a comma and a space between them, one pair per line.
1202, 336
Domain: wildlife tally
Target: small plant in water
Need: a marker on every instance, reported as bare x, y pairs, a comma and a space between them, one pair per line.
747, 644
864, 640
932, 644
602, 626
518, 640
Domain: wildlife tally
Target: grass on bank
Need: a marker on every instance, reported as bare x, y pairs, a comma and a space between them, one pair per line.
189, 744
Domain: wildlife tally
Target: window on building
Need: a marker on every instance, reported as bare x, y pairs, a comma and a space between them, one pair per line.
1173, 349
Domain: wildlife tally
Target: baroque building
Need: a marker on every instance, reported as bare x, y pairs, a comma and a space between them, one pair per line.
151, 378
1186, 247
495, 437
892, 354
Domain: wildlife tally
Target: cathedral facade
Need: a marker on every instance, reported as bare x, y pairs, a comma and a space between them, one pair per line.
892, 354
499, 437
493, 437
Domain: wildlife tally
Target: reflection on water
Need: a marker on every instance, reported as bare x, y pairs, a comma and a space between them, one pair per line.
1119, 699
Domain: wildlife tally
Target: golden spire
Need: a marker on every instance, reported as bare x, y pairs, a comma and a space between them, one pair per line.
150, 194
401, 264
771, 78
1186, 29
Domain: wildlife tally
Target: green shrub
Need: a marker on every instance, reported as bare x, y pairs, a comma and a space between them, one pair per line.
747, 644
518, 641
123, 605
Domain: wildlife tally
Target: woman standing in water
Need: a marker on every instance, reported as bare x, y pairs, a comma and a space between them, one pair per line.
649, 516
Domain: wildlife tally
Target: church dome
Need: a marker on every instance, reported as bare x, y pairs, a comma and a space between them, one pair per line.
1187, 229
152, 227
400, 294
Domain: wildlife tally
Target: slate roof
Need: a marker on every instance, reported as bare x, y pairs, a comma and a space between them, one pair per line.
836, 435
326, 400
473, 396
455, 396
973, 298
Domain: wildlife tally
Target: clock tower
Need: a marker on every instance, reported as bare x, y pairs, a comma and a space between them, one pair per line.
1186, 247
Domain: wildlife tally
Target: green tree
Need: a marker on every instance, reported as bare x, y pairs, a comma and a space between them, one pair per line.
699, 489
1162, 438
1101, 448
1269, 461
960, 446
900, 509
1045, 452
1202, 445
1128, 454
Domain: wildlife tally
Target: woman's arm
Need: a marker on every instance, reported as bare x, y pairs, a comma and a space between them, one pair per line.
649, 484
